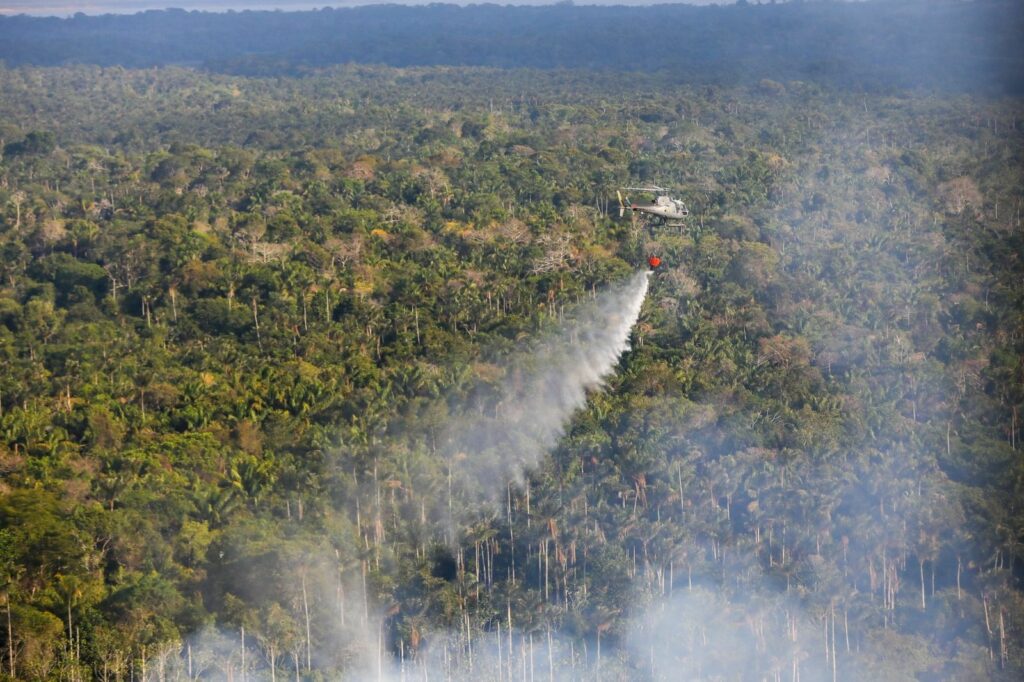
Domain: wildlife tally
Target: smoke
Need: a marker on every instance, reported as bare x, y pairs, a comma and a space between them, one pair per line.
495, 437
510, 426
867, 584
750, 611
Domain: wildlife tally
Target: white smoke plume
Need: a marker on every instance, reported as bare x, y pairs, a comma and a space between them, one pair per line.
517, 422
504, 430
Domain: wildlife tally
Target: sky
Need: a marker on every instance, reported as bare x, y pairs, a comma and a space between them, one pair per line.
68, 7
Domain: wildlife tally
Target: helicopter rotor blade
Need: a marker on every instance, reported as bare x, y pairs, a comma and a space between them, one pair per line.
651, 188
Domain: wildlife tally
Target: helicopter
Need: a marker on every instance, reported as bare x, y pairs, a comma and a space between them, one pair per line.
671, 211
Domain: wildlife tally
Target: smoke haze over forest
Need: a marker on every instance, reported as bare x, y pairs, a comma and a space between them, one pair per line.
330, 349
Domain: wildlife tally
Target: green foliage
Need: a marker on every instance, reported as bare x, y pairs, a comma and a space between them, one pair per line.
228, 360
36, 143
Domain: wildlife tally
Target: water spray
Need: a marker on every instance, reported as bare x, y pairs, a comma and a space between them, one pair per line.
540, 392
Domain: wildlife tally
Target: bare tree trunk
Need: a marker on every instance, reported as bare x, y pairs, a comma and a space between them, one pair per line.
256, 321
305, 611
531, 658
988, 625
920, 565
1013, 429
380, 652
527, 503
828, 653
469, 641
509, 607
832, 610
551, 662
1002, 641
366, 599
10, 639
71, 632
846, 628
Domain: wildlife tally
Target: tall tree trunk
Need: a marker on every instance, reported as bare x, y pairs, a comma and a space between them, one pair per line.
305, 611
988, 625
1002, 641
10, 639
256, 321
832, 614
71, 632
920, 565
243, 654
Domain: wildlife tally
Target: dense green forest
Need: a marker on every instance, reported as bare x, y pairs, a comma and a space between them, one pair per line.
873, 45
238, 314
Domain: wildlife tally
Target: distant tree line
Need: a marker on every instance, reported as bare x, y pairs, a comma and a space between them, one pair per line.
963, 46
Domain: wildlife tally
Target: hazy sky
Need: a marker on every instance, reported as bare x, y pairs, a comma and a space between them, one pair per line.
66, 7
